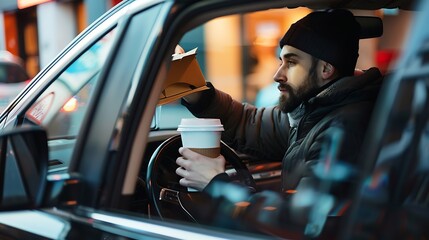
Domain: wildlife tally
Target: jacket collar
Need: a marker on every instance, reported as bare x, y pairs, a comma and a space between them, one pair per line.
296, 115
342, 87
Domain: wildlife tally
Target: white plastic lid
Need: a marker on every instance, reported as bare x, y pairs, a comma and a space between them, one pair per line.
200, 124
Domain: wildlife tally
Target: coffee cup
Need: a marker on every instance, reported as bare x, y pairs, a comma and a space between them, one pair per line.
201, 135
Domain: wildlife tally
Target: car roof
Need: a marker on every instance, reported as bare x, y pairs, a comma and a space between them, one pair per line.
355, 4
362, 4
350, 4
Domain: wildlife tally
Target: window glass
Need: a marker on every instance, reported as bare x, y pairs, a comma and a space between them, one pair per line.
60, 109
241, 62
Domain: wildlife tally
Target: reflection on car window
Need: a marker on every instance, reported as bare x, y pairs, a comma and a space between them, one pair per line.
61, 107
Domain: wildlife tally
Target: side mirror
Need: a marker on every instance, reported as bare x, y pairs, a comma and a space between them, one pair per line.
23, 168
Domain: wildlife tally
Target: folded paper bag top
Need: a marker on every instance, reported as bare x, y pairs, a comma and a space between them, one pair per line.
184, 77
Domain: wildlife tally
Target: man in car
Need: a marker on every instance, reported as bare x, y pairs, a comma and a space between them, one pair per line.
320, 92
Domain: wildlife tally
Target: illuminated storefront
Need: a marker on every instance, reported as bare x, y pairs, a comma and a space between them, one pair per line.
27, 29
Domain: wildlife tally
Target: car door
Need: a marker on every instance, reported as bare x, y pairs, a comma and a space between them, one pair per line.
79, 96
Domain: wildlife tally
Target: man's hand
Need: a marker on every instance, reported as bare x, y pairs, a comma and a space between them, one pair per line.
197, 170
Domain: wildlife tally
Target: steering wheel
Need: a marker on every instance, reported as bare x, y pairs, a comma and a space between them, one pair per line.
171, 200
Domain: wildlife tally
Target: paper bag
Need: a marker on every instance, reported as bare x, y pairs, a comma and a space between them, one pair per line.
184, 77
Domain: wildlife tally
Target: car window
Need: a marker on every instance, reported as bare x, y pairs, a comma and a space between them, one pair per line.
241, 62
60, 109
247, 73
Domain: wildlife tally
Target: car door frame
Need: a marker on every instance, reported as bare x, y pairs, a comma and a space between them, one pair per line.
86, 161
94, 143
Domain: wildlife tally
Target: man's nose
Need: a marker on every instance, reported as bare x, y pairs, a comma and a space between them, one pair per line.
280, 76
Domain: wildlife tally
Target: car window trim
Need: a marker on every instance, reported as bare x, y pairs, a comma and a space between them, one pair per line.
83, 159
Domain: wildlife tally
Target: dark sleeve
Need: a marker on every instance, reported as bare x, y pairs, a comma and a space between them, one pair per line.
206, 98
224, 178
211, 188
261, 132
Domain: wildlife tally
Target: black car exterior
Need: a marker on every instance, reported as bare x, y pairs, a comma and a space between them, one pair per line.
97, 100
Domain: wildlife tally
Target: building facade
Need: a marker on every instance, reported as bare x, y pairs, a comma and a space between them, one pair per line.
37, 30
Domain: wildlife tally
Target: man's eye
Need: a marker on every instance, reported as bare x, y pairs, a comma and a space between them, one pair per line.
290, 63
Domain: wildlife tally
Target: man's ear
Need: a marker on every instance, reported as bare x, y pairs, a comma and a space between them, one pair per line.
328, 71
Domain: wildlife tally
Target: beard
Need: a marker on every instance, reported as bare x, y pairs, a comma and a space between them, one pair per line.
295, 97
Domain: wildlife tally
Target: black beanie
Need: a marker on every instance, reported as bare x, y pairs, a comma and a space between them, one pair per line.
331, 35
